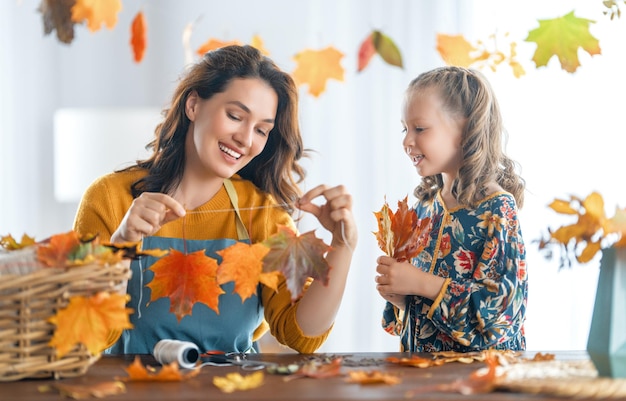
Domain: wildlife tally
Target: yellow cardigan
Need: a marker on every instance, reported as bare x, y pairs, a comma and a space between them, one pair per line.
106, 201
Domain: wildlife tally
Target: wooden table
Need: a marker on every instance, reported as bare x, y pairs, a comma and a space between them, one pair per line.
275, 387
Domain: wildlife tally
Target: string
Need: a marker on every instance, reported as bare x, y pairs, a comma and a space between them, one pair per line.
140, 281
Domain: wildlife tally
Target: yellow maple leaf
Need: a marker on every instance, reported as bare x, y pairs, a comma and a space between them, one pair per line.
96, 13
455, 50
257, 43
213, 44
243, 264
235, 381
9, 243
315, 67
88, 321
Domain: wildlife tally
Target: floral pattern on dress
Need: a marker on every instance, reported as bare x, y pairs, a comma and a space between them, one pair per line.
481, 254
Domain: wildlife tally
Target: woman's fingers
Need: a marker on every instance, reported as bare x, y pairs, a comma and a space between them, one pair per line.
147, 214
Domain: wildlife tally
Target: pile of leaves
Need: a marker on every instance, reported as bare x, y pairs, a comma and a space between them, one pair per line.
590, 233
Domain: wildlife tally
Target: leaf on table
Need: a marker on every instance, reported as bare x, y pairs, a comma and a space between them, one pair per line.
57, 15
83, 391
372, 377
416, 361
88, 321
213, 44
10, 244
563, 37
57, 250
186, 279
137, 372
243, 264
401, 235
297, 257
138, 36
317, 369
316, 67
237, 382
96, 13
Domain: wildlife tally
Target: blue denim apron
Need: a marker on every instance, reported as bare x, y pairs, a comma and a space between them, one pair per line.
231, 330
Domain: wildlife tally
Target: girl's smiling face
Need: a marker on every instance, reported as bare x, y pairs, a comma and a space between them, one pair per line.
229, 129
432, 137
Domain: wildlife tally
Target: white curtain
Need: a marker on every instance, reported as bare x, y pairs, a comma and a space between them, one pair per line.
354, 126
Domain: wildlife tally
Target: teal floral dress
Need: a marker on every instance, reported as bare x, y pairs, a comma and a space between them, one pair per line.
482, 304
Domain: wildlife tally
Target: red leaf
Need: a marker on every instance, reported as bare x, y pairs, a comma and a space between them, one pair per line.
366, 52
138, 36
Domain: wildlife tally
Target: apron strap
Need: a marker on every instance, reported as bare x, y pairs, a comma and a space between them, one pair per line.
242, 232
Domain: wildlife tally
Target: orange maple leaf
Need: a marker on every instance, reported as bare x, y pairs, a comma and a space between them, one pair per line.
213, 44
297, 257
372, 377
315, 67
170, 372
186, 279
243, 264
89, 321
138, 36
455, 50
96, 13
401, 235
56, 252
236, 381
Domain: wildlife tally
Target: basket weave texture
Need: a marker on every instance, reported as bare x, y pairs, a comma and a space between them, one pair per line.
28, 300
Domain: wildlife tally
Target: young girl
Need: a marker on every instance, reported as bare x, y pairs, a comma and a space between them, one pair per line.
224, 168
467, 290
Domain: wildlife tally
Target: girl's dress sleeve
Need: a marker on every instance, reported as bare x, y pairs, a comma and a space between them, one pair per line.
487, 309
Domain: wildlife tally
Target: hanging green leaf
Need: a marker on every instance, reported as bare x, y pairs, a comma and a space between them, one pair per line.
387, 49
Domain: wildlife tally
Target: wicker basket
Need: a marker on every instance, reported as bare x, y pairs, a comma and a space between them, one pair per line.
28, 300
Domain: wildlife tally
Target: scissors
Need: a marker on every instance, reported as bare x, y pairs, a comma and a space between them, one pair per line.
236, 359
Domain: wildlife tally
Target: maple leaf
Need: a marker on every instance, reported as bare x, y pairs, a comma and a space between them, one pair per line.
243, 264
213, 44
96, 13
563, 37
186, 279
9, 243
83, 391
235, 381
401, 235
138, 36
455, 50
372, 377
297, 257
137, 372
257, 43
56, 252
315, 67
88, 321
57, 14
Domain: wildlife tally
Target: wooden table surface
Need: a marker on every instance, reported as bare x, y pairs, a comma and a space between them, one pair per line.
275, 387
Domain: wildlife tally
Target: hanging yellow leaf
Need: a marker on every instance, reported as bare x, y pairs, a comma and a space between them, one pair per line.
235, 381
315, 67
563, 37
186, 279
88, 321
137, 372
257, 43
96, 13
387, 49
213, 44
455, 50
57, 15
9, 243
243, 264
138, 36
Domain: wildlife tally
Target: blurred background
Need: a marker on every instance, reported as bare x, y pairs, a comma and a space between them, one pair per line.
565, 128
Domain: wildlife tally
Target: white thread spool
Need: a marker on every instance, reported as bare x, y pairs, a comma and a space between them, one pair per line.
184, 352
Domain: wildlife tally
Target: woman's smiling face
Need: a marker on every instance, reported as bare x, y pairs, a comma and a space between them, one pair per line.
229, 129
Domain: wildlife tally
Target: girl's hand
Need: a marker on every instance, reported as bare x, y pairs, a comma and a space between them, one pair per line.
402, 278
335, 215
398, 300
147, 214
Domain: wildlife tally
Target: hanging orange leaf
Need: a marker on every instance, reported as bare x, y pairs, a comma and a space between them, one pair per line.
315, 67
401, 235
138, 36
297, 257
372, 377
213, 44
96, 13
455, 50
83, 391
56, 252
9, 243
137, 372
243, 264
89, 321
57, 15
235, 381
186, 279
563, 37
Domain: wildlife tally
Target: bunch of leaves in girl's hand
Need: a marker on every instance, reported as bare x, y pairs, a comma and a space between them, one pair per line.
243, 264
186, 279
88, 321
137, 372
297, 257
401, 235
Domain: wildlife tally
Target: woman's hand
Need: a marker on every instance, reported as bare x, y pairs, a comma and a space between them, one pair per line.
146, 215
335, 215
